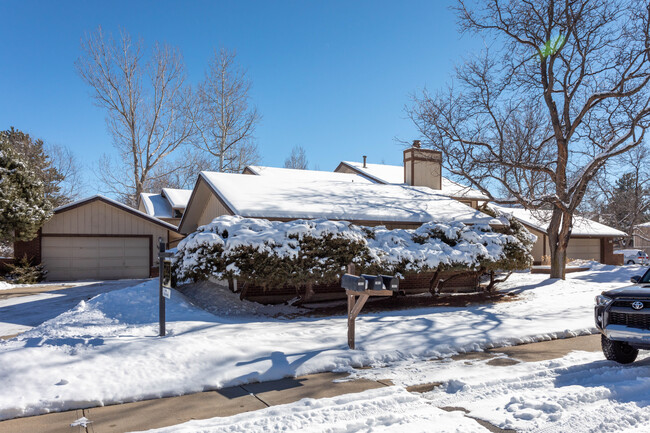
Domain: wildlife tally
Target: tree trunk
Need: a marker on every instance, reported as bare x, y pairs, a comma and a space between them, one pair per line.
309, 291
559, 232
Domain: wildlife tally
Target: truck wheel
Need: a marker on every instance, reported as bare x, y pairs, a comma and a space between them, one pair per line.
630, 262
618, 351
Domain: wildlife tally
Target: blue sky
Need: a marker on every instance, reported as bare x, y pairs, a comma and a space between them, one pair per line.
330, 76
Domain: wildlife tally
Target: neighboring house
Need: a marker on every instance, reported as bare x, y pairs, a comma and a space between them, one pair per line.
641, 237
98, 238
168, 206
285, 194
589, 240
422, 167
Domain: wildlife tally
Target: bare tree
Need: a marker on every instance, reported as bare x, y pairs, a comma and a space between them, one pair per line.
222, 115
562, 89
297, 159
70, 186
184, 177
145, 103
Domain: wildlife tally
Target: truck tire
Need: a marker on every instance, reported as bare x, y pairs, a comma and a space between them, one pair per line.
618, 351
630, 262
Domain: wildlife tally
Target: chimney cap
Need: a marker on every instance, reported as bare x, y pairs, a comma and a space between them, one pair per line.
417, 144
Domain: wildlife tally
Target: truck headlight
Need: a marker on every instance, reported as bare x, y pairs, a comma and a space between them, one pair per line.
603, 301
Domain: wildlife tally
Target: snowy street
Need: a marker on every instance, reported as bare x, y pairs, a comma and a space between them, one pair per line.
106, 351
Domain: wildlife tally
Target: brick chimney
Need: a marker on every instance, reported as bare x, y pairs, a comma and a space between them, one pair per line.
422, 167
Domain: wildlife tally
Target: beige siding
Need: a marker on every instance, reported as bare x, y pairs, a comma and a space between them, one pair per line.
583, 248
213, 209
422, 168
345, 169
99, 218
538, 246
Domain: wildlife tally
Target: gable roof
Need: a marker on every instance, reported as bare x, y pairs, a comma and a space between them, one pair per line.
111, 202
178, 198
394, 174
310, 175
539, 220
274, 197
156, 205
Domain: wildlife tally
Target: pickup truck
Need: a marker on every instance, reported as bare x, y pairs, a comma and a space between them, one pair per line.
623, 318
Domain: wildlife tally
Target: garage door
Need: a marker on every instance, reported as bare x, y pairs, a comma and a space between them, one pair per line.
105, 258
587, 249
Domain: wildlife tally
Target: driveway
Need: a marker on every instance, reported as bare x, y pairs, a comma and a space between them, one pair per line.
23, 308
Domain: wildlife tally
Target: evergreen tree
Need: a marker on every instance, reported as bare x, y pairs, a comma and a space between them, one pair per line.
628, 205
23, 205
32, 152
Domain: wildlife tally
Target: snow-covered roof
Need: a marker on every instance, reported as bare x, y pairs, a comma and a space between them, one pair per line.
538, 219
299, 175
178, 198
394, 174
274, 197
156, 205
116, 204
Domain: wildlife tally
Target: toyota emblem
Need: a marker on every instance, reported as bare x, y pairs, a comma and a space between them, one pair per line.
637, 305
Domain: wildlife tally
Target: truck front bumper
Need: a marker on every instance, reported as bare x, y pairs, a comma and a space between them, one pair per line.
634, 336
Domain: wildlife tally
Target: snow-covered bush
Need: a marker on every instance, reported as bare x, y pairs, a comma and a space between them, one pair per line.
301, 252
269, 253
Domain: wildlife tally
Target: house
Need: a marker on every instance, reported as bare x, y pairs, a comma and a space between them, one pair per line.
422, 167
98, 238
277, 194
168, 206
641, 237
589, 240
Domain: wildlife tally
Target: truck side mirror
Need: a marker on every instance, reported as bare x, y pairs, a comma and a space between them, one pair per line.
635, 279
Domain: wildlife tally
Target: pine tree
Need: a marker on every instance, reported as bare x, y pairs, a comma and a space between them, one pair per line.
32, 151
23, 205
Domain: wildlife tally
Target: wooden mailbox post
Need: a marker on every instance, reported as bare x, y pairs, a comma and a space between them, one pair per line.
359, 289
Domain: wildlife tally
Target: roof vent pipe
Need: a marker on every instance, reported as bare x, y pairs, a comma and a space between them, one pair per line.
364, 161
417, 144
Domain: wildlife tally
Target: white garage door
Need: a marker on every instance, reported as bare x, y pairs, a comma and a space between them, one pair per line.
587, 249
106, 258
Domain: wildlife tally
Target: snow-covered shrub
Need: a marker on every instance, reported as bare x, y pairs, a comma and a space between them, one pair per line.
269, 253
297, 253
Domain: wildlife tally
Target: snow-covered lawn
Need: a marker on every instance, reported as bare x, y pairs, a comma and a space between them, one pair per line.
106, 350
21, 313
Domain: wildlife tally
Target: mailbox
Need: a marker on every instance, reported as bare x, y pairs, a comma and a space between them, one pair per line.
390, 282
352, 282
374, 282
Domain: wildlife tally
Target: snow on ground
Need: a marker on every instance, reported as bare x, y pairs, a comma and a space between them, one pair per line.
580, 392
21, 313
390, 409
106, 350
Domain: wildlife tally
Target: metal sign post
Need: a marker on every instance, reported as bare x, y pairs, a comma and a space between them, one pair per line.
165, 284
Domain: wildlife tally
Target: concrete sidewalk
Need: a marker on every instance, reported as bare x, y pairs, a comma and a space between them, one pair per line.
144, 415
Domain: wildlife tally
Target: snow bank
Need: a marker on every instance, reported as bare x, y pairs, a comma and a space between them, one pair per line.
387, 410
106, 350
